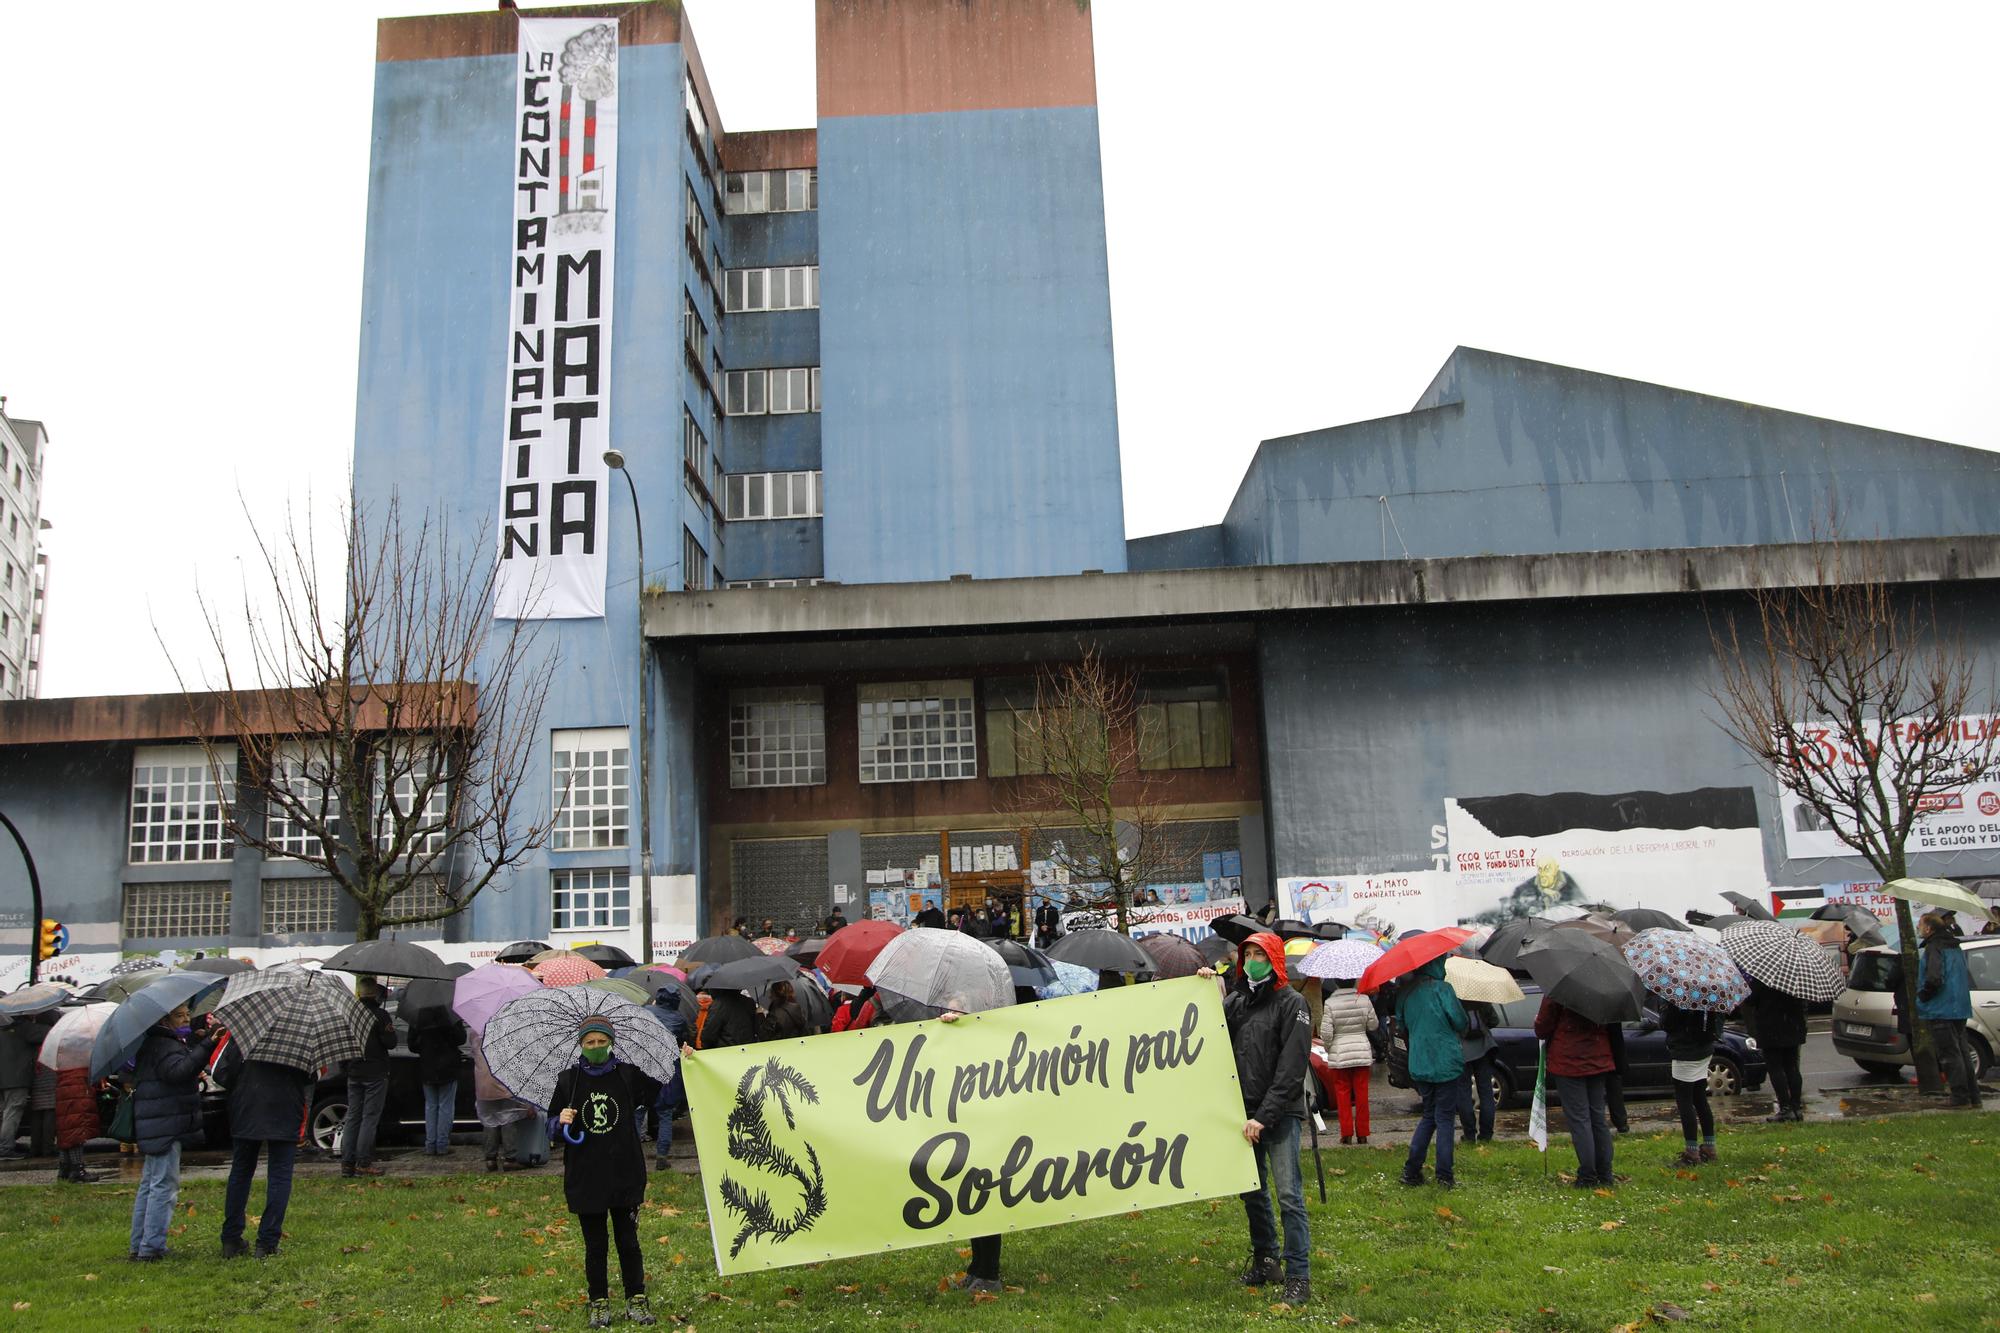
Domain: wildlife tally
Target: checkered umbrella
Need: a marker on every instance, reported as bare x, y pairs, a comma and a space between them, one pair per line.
137, 965
1784, 960
532, 1039
293, 1015
567, 969
1339, 960
1680, 966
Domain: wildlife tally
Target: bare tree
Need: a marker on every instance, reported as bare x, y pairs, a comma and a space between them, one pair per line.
387, 727
1855, 699
1086, 794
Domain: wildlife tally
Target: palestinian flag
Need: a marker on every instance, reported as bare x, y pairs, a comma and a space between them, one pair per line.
1797, 904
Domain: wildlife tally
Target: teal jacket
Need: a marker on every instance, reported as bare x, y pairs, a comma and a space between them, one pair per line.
1432, 1019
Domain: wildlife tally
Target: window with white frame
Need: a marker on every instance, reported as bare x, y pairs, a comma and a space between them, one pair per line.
694, 330
751, 289
752, 393
703, 467
592, 775
309, 779
792, 190
591, 900
177, 804
754, 495
777, 737
412, 779
694, 563
697, 221
915, 730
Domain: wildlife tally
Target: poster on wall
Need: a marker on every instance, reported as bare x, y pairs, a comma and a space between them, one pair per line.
557, 419
1380, 906
1521, 854
1966, 818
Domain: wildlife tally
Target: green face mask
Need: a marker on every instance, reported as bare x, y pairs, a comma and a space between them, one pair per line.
1257, 969
597, 1055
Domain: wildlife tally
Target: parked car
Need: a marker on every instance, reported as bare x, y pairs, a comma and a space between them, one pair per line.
1864, 1017
1736, 1066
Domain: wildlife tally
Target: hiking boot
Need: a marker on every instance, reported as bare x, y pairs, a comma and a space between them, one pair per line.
234, 1249
600, 1314
266, 1251
1262, 1268
367, 1170
1361, 1139
977, 1285
1782, 1117
1298, 1290
1447, 1183
492, 1164
1412, 1178
1707, 1151
1688, 1157
639, 1310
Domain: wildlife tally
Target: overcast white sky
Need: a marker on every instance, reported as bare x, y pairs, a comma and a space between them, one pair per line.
1309, 205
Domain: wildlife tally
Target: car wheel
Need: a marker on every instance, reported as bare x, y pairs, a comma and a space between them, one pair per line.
323, 1130
1503, 1088
1725, 1077
1879, 1068
1982, 1057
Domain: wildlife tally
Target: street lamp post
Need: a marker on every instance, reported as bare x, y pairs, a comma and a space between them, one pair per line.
616, 461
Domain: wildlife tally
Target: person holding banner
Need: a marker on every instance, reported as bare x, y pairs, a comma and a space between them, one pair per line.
1270, 1031
604, 1165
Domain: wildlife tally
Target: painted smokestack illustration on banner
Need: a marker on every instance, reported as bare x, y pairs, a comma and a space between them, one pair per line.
558, 409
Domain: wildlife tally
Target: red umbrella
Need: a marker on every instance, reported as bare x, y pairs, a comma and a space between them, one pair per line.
851, 949
1410, 954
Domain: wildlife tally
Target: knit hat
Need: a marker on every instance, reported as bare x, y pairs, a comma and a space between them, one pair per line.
596, 1023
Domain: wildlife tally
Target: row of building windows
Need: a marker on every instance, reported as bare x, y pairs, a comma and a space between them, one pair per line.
913, 731
201, 910
753, 393
793, 190
757, 495
773, 583
747, 290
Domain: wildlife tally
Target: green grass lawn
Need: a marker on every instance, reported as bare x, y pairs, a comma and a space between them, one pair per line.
1877, 1224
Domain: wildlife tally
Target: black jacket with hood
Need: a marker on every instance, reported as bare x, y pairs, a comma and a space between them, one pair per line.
1270, 1029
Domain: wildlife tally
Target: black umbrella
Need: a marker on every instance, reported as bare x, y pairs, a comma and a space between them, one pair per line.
1648, 918
1102, 951
1725, 920
1029, 967
816, 1003
1863, 926
1236, 927
217, 967
753, 973
805, 951
1291, 928
426, 1000
1216, 950
520, 951
1585, 974
388, 958
1503, 947
1749, 906
1330, 930
607, 956
719, 949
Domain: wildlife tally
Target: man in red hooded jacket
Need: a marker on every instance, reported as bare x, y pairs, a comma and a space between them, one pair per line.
1270, 1030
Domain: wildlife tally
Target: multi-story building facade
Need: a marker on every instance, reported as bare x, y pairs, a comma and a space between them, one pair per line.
860, 377
23, 565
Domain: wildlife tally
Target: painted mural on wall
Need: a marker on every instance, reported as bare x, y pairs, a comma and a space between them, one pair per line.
1964, 819
1523, 854
557, 422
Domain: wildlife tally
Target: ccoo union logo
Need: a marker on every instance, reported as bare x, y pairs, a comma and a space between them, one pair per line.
1989, 803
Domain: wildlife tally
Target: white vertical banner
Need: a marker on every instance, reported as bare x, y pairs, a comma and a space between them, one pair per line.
557, 424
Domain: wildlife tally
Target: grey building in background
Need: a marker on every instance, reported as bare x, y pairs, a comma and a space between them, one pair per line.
23, 567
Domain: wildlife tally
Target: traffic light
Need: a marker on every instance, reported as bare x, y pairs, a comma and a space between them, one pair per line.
51, 941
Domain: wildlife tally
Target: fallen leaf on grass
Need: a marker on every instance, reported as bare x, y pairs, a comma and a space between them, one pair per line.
23, 1305
1551, 1268
1710, 1286
1769, 1261
1447, 1214
1016, 1291
983, 1297
1346, 1321
1714, 1250
487, 1300
1923, 1298
849, 1289
1609, 1226
784, 1304
1604, 1194
965, 1254
1043, 1277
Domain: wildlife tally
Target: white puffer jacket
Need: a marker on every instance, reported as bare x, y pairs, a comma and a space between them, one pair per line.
1344, 1025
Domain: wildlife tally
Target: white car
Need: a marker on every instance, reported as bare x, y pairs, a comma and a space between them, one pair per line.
1864, 1023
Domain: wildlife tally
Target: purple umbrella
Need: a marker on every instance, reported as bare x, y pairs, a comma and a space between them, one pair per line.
478, 995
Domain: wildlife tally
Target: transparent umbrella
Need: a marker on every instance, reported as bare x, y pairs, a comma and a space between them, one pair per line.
945, 969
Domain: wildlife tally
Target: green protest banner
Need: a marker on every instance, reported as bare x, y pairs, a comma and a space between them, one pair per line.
858, 1142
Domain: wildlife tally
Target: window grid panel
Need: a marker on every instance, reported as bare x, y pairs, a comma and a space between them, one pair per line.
429, 834
592, 791
591, 900
781, 878
750, 496
754, 290
177, 811
777, 738
789, 190
177, 911
288, 838
300, 907
917, 731
424, 896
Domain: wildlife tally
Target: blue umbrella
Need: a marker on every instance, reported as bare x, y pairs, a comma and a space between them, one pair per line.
35, 999
1071, 979
127, 1028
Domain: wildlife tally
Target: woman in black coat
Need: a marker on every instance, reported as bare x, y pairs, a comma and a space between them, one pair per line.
1778, 1021
267, 1112
166, 1112
595, 1112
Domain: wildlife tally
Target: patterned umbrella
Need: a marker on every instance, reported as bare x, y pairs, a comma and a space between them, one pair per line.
1783, 960
850, 950
1680, 966
1172, 956
771, 944
1070, 980
478, 995
532, 1039
945, 969
717, 949
292, 1015
69, 1042
1339, 960
1481, 982
137, 965
567, 969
